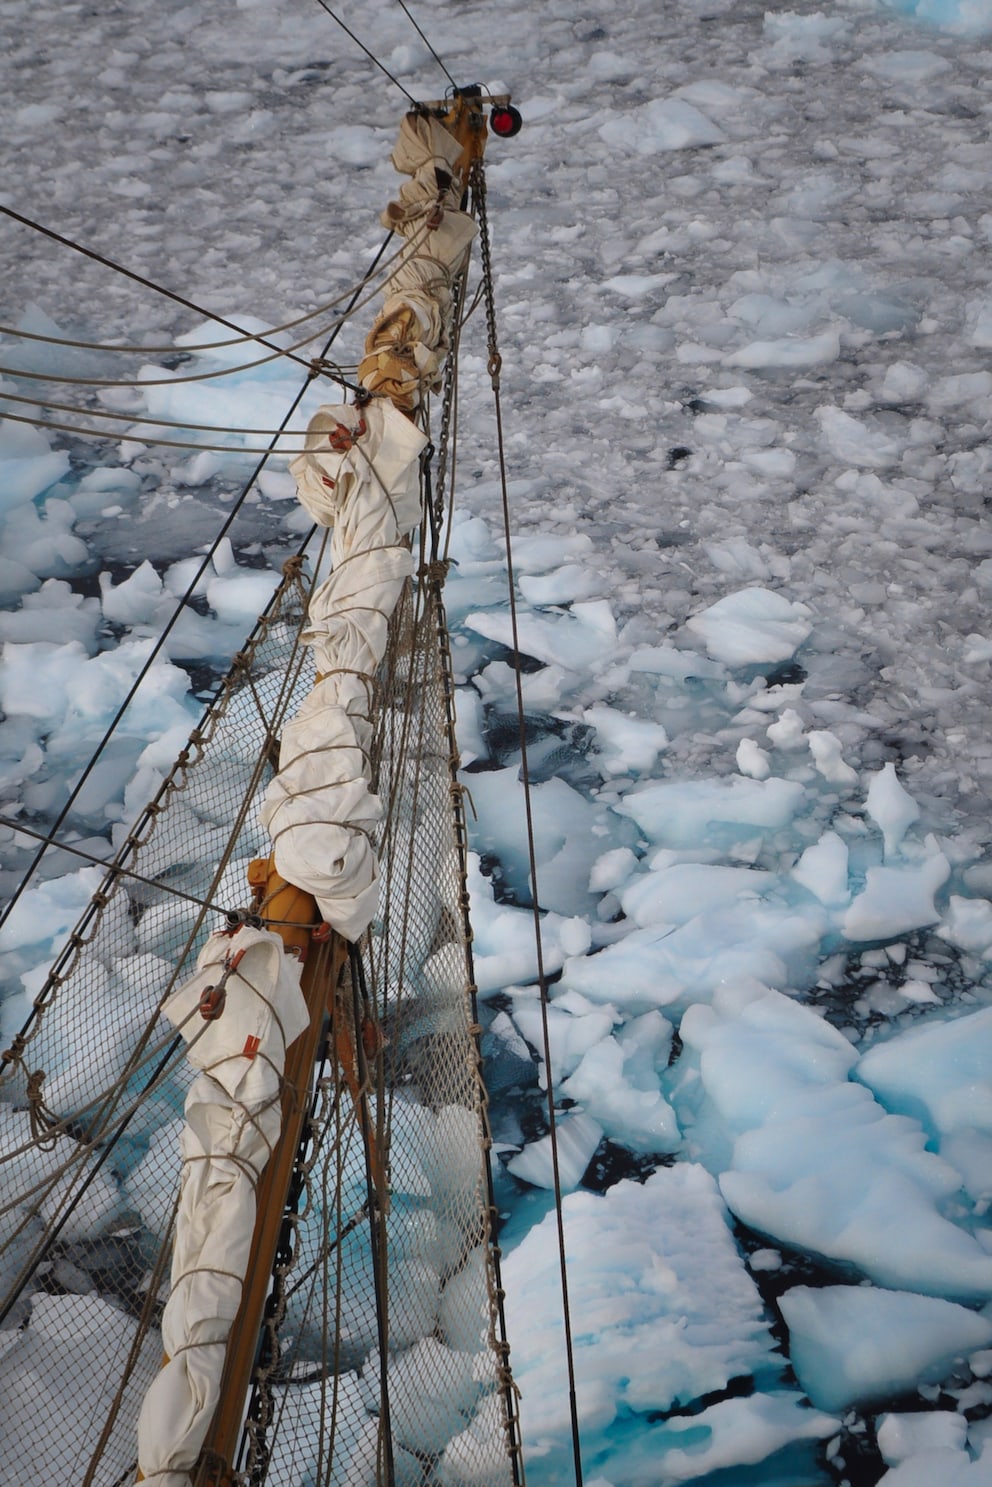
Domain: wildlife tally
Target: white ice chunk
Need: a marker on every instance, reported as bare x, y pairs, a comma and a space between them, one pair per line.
968, 924
891, 807
733, 1433
578, 1137
752, 626
612, 870
663, 967
682, 813
826, 750
575, 640
753, 760
896, 900
822, 869
788, 351
940, 1073
855, 1344
625, 743
903, 382
569, 1036
134, 599
663, 1309
638, 1118
676, 894
28, 464
763, 1095
855, 443
564, 823
562, 586
661, 124
787, 731
906, 66
905, 1435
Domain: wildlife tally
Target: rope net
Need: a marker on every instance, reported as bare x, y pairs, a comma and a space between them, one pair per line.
381, 1359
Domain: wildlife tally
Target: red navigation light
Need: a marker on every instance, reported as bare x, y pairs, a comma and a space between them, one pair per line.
505, 121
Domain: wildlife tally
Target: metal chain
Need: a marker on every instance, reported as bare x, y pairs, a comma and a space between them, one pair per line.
447, 404
477, 182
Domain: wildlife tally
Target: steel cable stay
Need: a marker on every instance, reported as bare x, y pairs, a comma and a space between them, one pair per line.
137, 437
164, 634
174, 348
406, 11
139, 420
370, 54
478, 186
138, 278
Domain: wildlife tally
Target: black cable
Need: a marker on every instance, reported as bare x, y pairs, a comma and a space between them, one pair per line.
136, 437
109, 864
136, 418
427, 44
377, 1231
478, 186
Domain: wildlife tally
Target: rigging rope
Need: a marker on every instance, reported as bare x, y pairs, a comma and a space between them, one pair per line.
169, 626
478, 184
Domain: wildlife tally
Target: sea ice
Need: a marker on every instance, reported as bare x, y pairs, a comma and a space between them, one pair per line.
731, 1435
853, 442
753, 626
891, 807
571, 639
570, 833
906, 1435
661, 124
940, 1073
826, 750
858, 1345
651, 1268
625, 743
788, 351
677, 893
764, 1097
897, 899
578, 1136
685, 813
823, 869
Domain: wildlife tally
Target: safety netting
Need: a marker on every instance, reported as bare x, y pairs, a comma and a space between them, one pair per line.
381, 1356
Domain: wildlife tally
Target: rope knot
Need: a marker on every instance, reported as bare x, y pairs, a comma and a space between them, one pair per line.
435, 571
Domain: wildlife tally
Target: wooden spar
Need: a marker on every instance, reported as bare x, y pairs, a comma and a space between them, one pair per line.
323, 962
